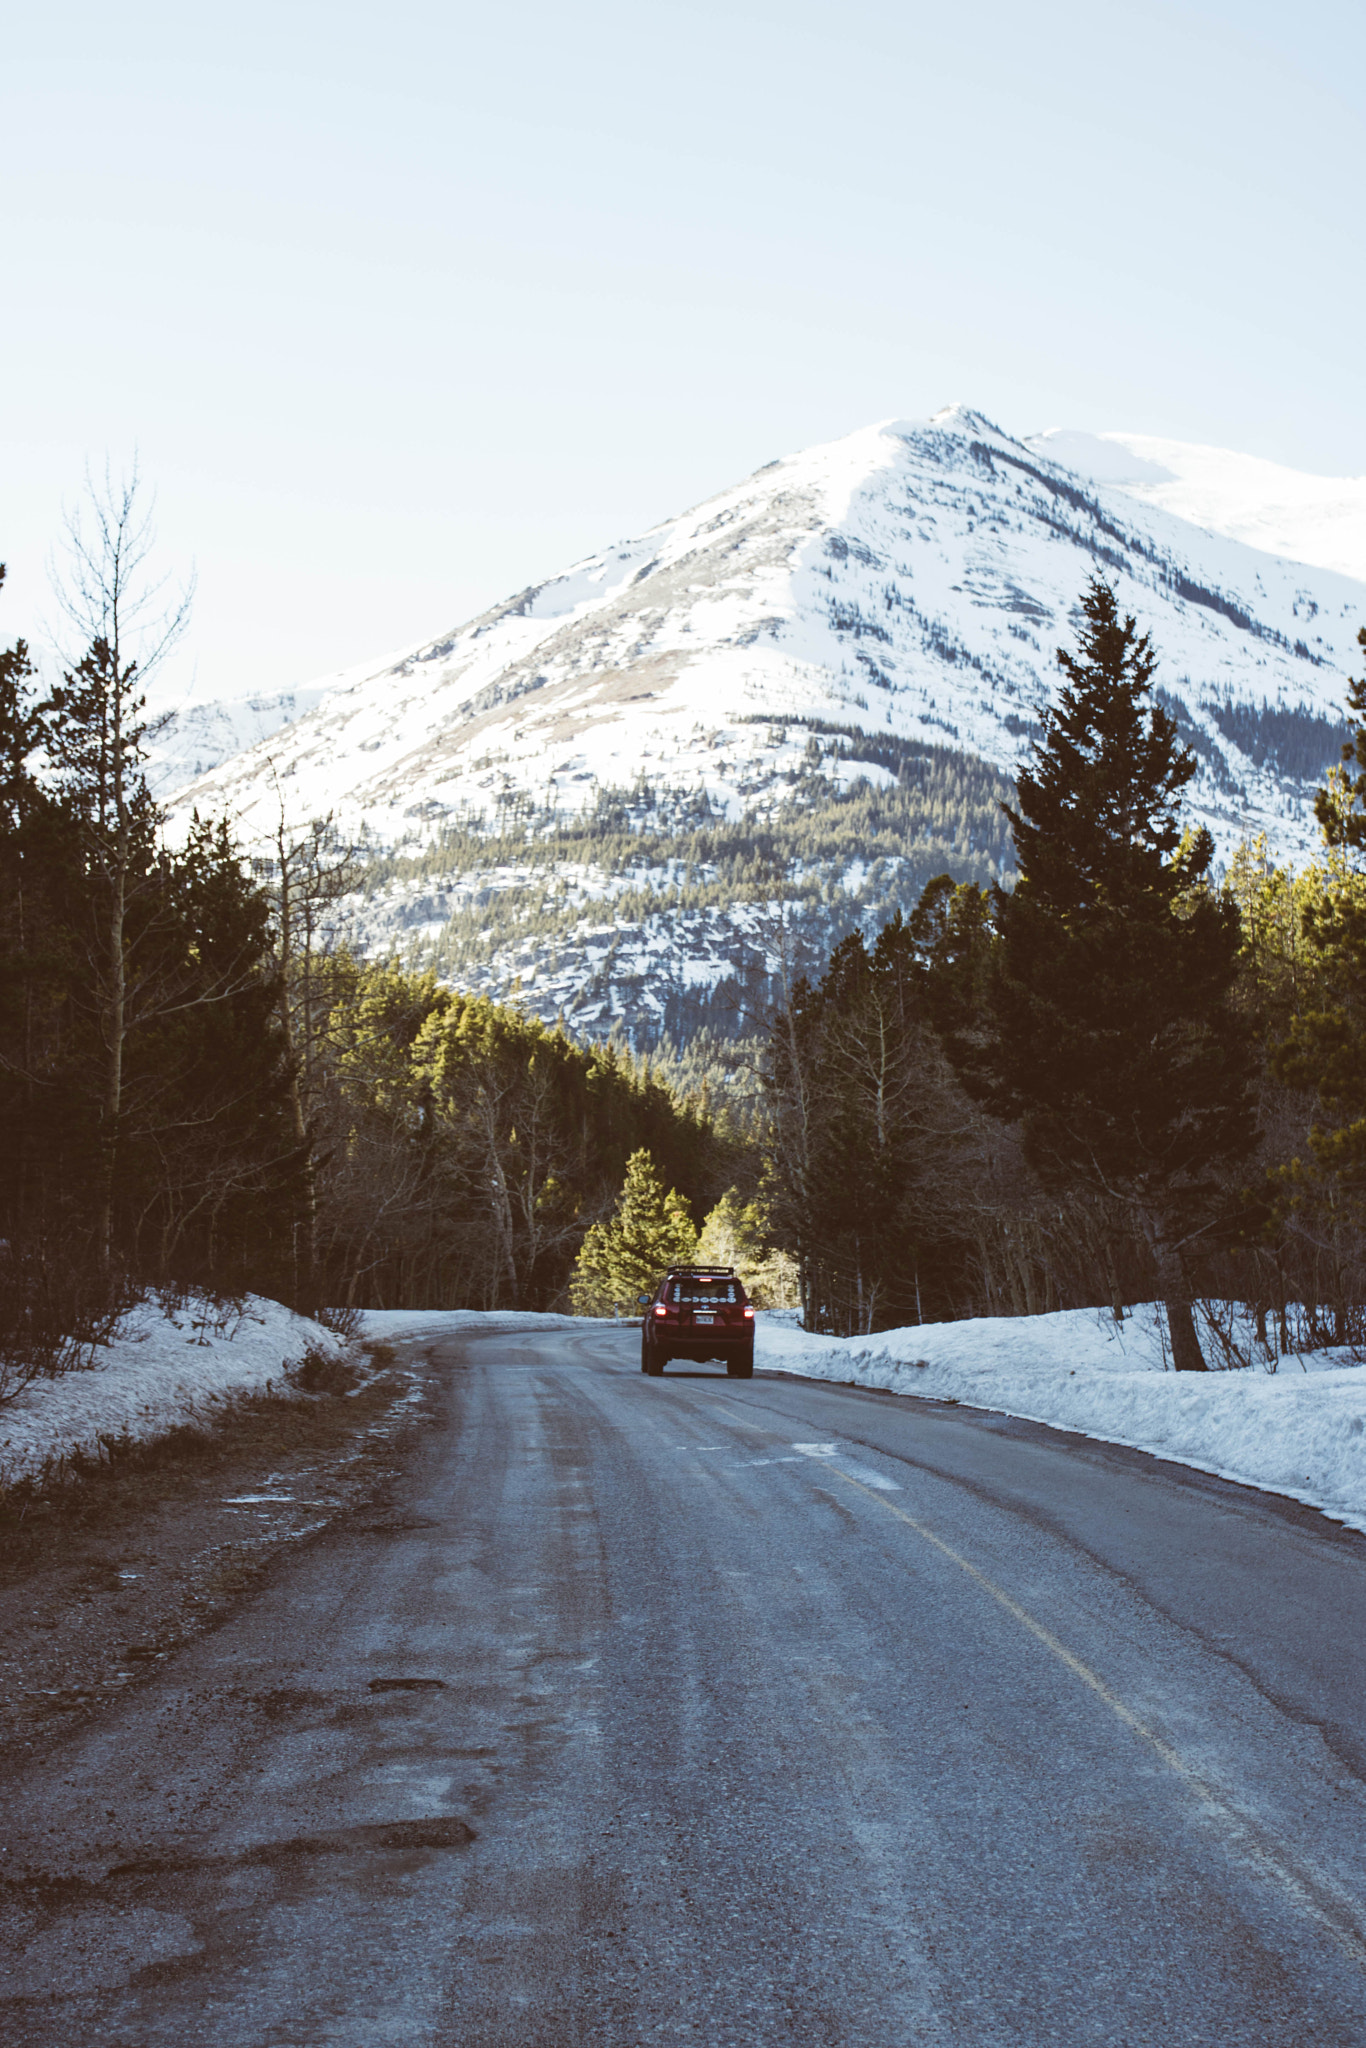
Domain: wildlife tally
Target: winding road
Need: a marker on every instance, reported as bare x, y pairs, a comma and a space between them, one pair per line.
696, 1710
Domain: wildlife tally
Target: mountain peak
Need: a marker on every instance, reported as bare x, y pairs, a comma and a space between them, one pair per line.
965, 419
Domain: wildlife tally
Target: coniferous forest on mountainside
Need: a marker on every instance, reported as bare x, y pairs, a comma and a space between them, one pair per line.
1074, 1066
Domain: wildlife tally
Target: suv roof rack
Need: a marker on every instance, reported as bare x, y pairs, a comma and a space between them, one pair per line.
721, 1272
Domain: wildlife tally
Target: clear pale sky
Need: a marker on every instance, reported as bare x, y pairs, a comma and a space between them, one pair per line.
405, 307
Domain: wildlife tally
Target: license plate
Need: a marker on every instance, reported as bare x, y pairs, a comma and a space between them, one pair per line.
704, 1319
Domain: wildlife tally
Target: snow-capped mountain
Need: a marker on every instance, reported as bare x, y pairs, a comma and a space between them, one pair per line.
891, 601
910, 579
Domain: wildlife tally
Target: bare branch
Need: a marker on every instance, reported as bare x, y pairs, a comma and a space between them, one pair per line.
101, 583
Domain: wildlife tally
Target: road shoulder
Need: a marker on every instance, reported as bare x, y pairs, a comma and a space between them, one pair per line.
105, 1577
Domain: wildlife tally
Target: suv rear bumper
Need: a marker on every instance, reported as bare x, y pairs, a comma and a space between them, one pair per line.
699, 1344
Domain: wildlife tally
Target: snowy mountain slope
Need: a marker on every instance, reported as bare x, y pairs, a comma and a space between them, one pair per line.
191, 736
1316, 519
858, 636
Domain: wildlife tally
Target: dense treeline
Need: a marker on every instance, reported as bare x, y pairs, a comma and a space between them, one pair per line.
1121, 1079
464, 1150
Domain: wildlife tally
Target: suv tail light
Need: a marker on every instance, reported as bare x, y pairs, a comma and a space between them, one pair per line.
748, 1310
660, 1309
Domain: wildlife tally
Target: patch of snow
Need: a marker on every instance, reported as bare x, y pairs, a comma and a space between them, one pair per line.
844, 774
161, 1371
1108, 458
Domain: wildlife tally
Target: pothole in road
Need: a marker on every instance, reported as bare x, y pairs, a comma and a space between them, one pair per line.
407, 1685
289, 1699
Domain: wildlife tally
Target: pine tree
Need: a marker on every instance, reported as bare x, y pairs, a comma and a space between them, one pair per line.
865, 1129
1108, 1027
141, 1068
625, 1256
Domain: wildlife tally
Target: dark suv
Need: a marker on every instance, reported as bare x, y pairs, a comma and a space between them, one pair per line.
698, 1312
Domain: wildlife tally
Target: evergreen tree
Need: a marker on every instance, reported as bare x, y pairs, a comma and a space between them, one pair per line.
624, 1257
951, 930
1108, 1027
21, 732
142, 1071
95, 739
210, 1183
95, 734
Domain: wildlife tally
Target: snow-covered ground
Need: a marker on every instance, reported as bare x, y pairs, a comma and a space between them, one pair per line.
161, 1371
1300, 1431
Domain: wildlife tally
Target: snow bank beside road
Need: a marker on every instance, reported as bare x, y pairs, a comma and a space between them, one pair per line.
161, 1371
1301, 1431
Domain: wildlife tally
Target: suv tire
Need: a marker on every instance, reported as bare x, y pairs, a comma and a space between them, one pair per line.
741, 1367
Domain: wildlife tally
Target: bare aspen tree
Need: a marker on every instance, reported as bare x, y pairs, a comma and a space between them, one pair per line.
121, 622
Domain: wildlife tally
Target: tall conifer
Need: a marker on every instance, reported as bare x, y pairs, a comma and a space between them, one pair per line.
625, 1256
1108, 1030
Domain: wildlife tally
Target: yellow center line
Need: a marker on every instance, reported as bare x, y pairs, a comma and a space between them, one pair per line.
1316, 1895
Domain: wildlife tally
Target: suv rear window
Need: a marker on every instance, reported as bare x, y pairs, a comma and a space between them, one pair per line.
697, 1293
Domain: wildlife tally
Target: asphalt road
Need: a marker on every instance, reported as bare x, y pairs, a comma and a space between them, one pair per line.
697, 1710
